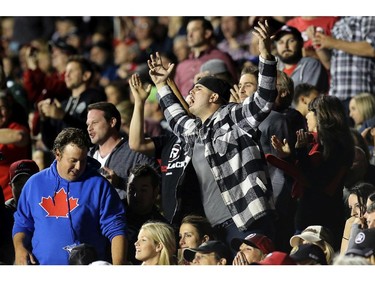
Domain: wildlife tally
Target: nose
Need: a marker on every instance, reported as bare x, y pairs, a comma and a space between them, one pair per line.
78, 165
182, 241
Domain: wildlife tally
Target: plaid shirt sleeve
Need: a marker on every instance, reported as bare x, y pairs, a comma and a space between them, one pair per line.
256, 108
174, 113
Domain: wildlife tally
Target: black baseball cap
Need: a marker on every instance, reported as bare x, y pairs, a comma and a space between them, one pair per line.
286, 29
212, 246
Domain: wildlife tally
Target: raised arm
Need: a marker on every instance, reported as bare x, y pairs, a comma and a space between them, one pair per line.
176, 114
257, 107
262, 32
137, 140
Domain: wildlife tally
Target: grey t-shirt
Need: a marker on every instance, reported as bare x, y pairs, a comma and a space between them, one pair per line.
213, 204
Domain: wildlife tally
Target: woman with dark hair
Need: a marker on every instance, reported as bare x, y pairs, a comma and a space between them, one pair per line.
321, 201
194, 230
357, 202
324, 156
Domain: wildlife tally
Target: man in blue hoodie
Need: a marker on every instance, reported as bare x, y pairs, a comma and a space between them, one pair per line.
68, 204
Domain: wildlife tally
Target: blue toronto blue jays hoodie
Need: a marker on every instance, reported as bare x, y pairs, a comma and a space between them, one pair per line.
57, 213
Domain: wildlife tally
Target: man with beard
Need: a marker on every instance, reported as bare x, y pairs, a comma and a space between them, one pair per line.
289, 46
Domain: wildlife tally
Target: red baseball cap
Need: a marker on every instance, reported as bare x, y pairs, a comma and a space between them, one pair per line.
277, 258
255, 240
22, 167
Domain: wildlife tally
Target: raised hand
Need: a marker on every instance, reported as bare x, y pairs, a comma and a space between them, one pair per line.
158, 73
234, 94
262, 32
302, 139
140, 94
282, 147
240, 259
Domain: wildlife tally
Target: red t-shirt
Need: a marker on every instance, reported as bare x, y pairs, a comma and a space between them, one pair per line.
11, 153
289, 71
326, 23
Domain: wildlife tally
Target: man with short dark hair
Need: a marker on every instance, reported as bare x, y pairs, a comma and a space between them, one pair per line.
68, 204
222, 145
110, 149
142, 193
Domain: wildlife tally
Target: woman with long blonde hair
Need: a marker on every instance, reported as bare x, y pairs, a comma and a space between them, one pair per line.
156, 244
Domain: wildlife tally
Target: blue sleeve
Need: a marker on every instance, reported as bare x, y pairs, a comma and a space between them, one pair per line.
23, 219
112, 213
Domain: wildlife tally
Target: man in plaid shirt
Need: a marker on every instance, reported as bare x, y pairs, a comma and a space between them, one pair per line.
223, 145
351, 51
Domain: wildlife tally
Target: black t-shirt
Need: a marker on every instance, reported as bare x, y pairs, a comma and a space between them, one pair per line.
178, 182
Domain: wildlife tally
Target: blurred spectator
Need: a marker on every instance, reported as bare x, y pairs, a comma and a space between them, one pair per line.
200, 34
116, 92
19, 172
15, 143
43, 158
361, 109
40, 85
180, 48
28, 28
71, 112
236, 41
125, 55
101, 53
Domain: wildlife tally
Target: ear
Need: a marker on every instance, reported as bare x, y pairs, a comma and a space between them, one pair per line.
86, 76
57, 155
214, 97
302, 100
113, 122
222, 261
205, 238
284, 94
159, 247
208, 34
